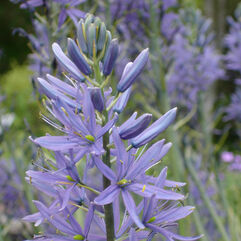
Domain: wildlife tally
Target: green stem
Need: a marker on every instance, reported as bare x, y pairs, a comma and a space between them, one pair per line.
152, 110
187, 118
175, 155
98, 77
223, 196
162, 99
108, 14
207, 201
198, 222
109, 217
114, 101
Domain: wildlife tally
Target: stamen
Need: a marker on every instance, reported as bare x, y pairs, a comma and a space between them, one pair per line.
90, 138
151, 220
70, 178
65, 112
123, 182
78, 237
78, 134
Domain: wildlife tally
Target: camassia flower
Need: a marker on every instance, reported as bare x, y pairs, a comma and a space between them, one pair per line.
66, 175
55, 88
129, 177
160, 216
91, 167
81, 135
68, 8
72, 228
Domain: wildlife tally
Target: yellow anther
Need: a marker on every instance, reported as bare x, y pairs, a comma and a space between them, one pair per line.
70, 178
90, 138
78, 237
78, 134
44, 101
144, 188
123, 182
66, 183
65, 112
151, 220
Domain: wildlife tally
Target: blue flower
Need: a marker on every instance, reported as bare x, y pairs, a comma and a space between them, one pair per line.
129, 177
132, 71
80, 135
155, 129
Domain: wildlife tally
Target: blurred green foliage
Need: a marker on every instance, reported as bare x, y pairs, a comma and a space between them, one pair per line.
18, 89
233, 190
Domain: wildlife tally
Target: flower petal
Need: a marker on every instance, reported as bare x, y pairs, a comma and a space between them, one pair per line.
88, 219
78, 58
174, 214
66, 63
108, 195
146, 190
56, 143
107, 127
104, 169
131, 208
155, 129
135, 70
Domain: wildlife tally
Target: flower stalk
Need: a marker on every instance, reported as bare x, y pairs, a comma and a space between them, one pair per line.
109, 217
86, 111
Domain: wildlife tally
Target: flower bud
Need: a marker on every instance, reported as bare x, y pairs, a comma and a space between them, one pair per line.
101, 37
91, 39
121, 103
131, 128
81, 36
97, 23
110, 57
109, 37
93, 36
66, 63
88, 20
78, 58
52, 92
97, 98
130, 76
155, 129
127, 68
